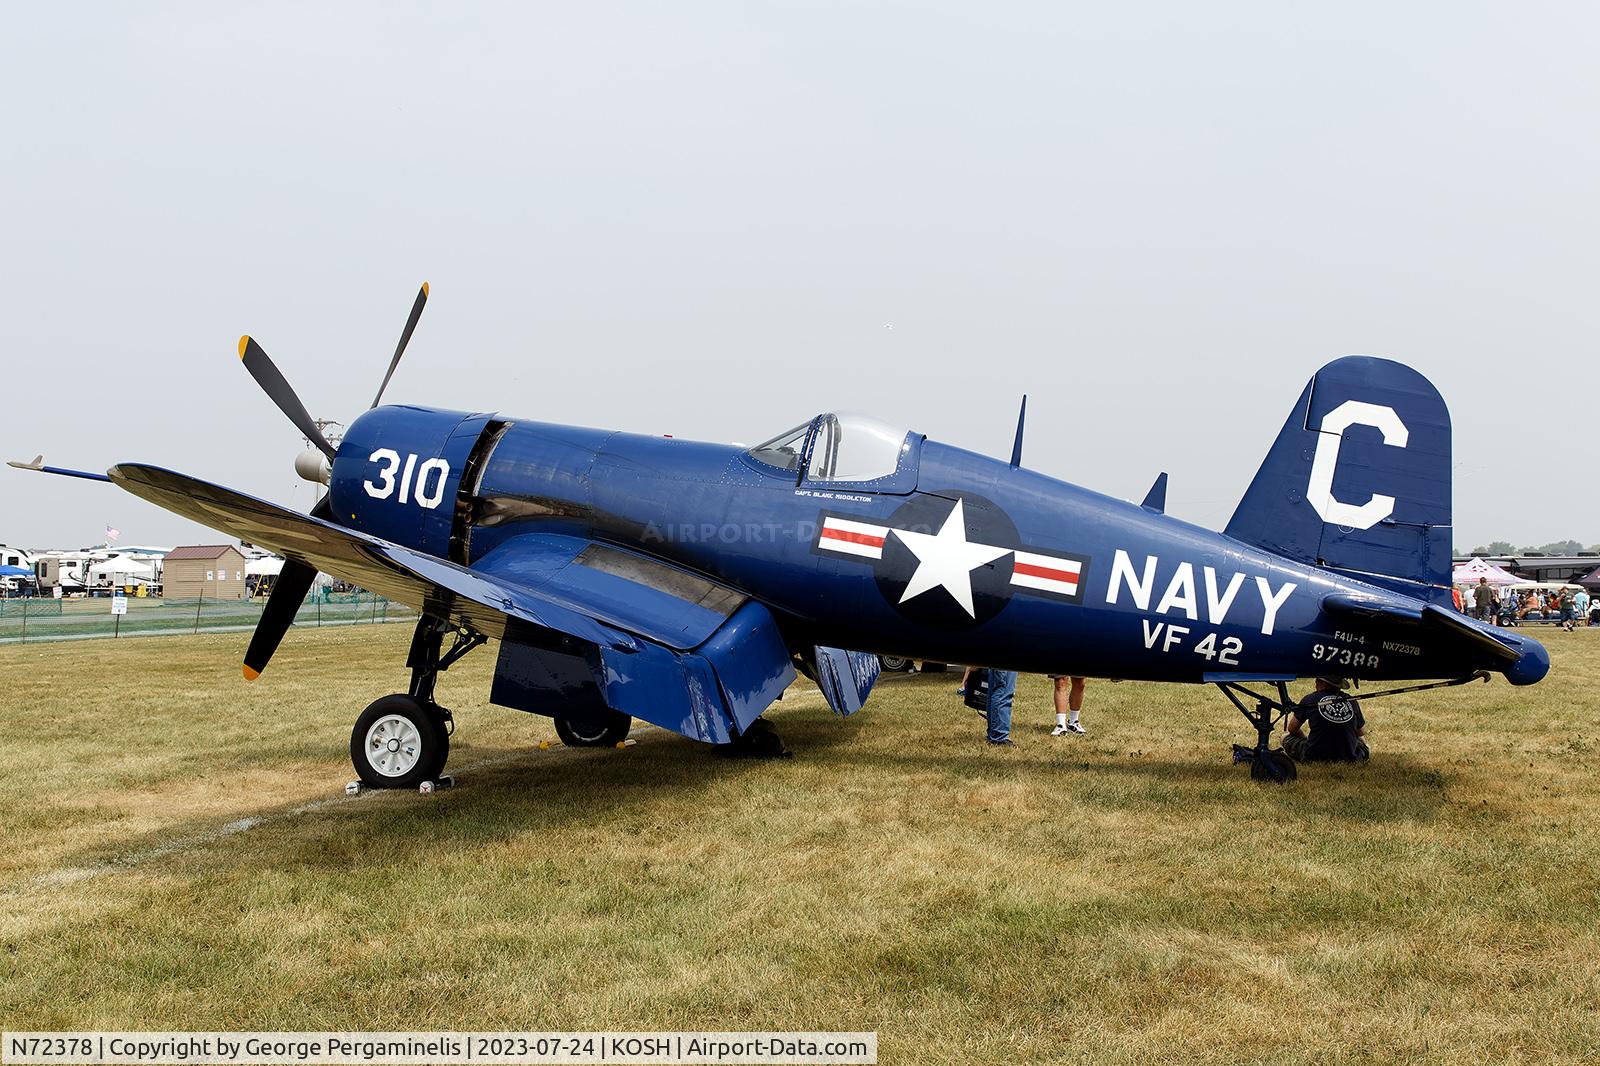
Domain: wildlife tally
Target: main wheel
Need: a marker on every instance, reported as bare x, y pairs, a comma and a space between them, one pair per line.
398, 742
895, 664
758, 741
598, 731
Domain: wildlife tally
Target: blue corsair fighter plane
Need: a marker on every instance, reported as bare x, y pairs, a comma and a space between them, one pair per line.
684, 583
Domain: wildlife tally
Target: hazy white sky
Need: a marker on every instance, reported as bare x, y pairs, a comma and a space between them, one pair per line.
701, 218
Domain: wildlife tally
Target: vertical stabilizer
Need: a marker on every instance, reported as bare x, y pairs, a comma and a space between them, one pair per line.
1359, 479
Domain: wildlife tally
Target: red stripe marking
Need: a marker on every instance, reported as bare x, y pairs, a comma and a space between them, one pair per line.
1033, 570
855, 538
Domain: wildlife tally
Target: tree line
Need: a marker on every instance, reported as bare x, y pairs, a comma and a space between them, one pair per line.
1505, 547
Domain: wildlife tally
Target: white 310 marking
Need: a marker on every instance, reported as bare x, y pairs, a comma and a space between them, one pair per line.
427, 489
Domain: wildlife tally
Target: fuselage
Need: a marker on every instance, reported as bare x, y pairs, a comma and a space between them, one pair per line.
950, 556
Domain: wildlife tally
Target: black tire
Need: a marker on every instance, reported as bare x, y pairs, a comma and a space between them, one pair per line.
894, 664
759, 741
1275, 767
597, 731
399, 742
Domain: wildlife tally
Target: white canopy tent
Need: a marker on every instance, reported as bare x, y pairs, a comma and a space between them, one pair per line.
1470, 571
266, 566
122, 569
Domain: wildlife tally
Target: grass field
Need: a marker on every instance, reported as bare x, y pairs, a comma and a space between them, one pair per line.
176, 853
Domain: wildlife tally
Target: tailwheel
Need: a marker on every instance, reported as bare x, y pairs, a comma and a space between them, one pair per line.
1273, 766
604, 730
400, 742
1266, 762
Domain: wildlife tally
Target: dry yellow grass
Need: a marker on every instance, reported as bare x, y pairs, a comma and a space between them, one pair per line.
1124, 897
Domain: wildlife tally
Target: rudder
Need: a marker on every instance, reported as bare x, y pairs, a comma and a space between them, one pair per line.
1359, 479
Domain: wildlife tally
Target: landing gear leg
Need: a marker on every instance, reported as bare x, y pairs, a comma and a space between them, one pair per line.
403, 740
1266, 762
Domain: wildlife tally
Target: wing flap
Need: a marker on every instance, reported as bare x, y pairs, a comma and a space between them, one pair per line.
635, 592
845, 677
711, 694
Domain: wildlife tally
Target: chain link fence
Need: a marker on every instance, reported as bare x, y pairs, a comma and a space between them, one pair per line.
26, 621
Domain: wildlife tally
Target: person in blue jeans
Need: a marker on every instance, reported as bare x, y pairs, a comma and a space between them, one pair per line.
1002, 686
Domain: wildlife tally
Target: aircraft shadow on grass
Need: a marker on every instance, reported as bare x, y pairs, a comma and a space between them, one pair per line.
515, 791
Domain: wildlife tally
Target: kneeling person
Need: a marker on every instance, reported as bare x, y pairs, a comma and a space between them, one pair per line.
1336, 724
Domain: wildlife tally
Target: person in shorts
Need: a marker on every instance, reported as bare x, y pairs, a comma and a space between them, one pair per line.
1069, 701
1335, 723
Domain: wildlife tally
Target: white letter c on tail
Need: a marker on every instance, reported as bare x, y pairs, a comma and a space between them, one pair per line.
1319, 490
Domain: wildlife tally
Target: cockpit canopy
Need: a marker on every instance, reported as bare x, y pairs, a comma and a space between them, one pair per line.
840, 447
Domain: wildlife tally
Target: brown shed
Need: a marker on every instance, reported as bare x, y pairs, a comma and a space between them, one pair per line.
209, 571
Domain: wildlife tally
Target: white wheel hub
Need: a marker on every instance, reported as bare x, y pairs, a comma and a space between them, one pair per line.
394, 745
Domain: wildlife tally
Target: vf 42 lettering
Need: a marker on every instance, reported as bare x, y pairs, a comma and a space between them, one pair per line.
1169, 636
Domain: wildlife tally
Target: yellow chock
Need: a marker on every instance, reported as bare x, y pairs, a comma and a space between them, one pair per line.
544, 745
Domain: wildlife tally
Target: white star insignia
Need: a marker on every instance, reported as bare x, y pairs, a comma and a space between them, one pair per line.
946, 559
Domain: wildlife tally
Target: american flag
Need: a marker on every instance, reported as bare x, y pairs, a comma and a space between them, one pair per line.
112, 534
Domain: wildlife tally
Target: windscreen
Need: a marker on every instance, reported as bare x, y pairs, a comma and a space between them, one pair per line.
851, 447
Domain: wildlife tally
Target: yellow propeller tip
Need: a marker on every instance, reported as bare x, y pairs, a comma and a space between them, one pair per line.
244, 342
424, 288
251, 675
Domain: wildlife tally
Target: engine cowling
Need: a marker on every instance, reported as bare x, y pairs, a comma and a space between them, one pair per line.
399, 474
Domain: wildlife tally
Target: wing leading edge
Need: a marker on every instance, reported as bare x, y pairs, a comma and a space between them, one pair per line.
423, 582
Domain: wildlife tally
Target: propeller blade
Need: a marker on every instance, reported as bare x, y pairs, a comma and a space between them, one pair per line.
288, 593
278, 391
405, 339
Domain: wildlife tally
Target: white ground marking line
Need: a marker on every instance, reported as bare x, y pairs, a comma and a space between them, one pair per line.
70, 875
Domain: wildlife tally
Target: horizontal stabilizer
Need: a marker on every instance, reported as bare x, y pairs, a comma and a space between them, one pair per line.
1449, 620
1371, 609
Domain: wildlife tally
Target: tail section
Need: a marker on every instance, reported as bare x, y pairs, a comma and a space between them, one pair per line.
1359, 479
